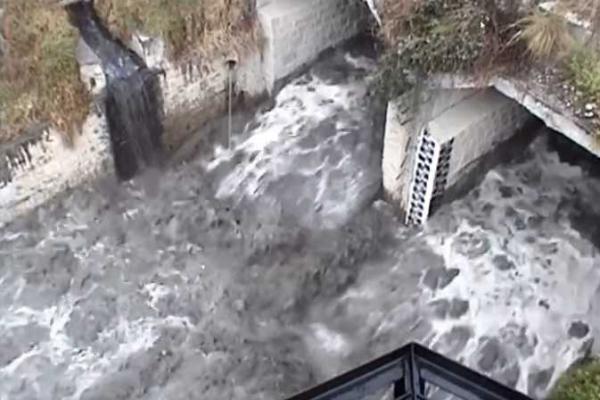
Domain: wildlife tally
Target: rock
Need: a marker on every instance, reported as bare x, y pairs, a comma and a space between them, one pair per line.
590, 107
579, 330
503, 263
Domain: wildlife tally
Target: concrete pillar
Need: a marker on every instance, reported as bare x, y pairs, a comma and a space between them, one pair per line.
433, 142
297, 31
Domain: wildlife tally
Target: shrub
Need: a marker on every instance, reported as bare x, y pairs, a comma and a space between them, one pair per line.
204, 27
583, 69
582, 383
438, 36
546, 35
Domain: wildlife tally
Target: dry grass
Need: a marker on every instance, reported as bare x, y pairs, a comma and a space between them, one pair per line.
546, 36
426, 37
192, 28
397, 15
39, 78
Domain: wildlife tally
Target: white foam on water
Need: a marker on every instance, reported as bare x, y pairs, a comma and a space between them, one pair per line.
299, 104
552, 284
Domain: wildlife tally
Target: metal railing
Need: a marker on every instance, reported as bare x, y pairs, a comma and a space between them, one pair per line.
411, 373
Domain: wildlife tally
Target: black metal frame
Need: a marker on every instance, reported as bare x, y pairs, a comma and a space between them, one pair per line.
408, 371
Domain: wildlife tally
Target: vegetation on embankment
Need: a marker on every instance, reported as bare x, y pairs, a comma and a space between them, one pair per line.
39, 75
484, 38
581, 383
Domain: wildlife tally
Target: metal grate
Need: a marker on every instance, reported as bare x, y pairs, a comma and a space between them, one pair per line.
423, 180
411, 373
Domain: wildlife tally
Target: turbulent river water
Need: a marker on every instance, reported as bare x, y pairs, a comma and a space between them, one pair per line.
259, 271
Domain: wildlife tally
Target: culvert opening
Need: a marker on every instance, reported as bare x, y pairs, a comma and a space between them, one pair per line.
466, 133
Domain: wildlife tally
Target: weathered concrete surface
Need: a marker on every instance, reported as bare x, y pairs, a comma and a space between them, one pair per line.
183, 287
296, 32
406, 117
540, 100
478, 125
462, 127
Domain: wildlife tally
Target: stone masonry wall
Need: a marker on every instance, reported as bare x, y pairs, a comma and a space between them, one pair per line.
193, 94
35, 170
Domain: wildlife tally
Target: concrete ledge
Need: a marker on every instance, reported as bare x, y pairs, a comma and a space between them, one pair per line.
537, 101
297, 31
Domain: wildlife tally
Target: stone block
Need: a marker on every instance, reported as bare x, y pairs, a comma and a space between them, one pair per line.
35, 170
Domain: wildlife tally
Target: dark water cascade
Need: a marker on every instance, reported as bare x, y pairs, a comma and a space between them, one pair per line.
133, 104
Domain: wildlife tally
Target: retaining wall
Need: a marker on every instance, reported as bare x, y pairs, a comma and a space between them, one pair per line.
39, 167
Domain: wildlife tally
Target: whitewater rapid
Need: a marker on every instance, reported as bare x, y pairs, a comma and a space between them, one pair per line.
261, 270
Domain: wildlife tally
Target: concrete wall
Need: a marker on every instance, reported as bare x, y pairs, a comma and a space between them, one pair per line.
431, 147
297, 31
477, 125
406, 118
